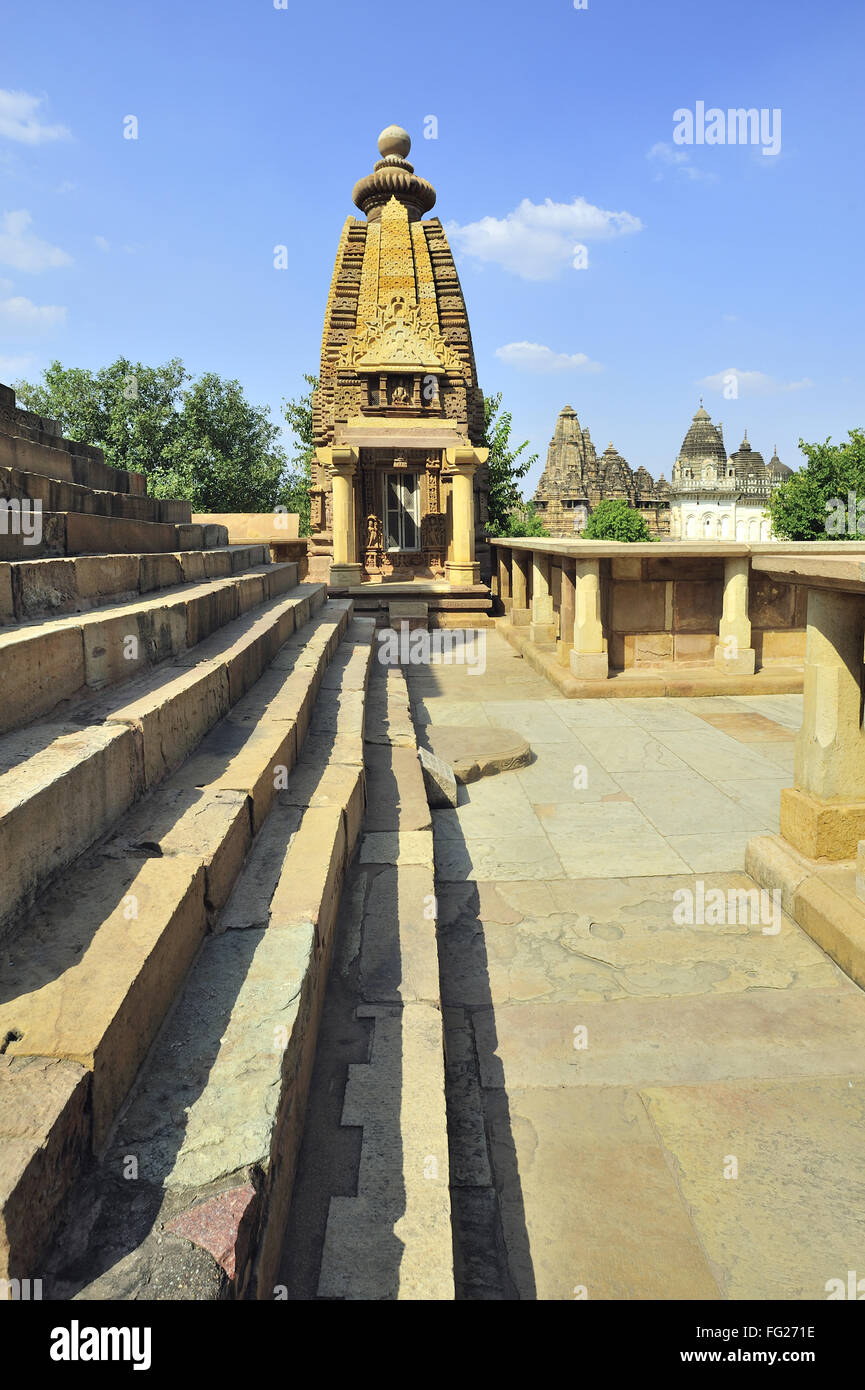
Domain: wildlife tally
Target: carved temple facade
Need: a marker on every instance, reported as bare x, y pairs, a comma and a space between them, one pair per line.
399, 479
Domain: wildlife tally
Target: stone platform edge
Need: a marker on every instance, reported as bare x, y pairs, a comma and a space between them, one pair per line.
683, 683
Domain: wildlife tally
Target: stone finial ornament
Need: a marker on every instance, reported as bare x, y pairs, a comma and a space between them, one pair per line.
394, 143
393, 177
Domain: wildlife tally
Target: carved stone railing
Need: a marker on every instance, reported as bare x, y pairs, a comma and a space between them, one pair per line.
605, 606
823, 814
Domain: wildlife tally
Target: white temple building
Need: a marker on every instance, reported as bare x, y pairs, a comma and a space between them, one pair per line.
713, 497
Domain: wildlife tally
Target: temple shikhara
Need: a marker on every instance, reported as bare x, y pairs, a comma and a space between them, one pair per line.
399, 484
575, 480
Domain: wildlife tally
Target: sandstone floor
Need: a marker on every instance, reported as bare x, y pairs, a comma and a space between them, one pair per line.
637, 1108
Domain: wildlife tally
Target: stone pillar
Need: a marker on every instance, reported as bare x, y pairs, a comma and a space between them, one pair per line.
542, 627
734, 654
504, 577
461, 567
589, 660
567, 611
520, 612
345, 568
823, 816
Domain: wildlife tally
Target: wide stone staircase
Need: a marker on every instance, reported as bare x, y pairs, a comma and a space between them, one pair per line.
181, 789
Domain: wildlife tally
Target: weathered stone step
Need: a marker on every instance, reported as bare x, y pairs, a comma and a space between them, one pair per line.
45, 664
77, 533
94, 968
79, 583
63, 784
57, 496
36, 451
235, 1056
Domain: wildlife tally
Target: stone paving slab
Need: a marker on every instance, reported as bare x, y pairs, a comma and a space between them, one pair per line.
603, 1215
674, 1041
605, 1059
794, 1217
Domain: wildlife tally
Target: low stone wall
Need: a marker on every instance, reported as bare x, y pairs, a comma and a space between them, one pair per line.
667, 611
606, 607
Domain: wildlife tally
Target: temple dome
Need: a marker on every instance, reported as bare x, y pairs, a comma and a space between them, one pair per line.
703, 442
747, 462
776, 469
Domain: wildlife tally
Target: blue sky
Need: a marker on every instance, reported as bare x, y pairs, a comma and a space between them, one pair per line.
554, 130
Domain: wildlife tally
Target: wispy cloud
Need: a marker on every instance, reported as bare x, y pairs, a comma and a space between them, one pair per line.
534, 357
678, 161
538, 240
20, 120
24, 251
103, 243
23, 316
752, 383
12, 367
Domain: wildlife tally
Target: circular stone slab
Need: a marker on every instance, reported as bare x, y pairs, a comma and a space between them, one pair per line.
475, 752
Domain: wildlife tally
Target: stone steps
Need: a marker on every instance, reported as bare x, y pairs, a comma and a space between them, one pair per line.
99, 961
79, 533
31, 589
62, 784
46, 664
51, 456
58, 496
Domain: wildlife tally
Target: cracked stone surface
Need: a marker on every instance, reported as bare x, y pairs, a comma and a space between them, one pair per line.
607, 1061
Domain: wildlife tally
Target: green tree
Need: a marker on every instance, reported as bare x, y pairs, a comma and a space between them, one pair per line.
614, 520
225, 454
199, 440
295, 491
506, 465
524, 520
814, 504
129, 410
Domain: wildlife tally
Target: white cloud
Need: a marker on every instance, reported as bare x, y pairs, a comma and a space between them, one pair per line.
22, 315
751, 383
12, 367
538, 240
19, 120
670, 158
103, 243
534, 357
21, 249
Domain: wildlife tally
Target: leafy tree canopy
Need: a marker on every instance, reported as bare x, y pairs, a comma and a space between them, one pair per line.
614, 520
816, 503
199, 440
506, 466
298, 414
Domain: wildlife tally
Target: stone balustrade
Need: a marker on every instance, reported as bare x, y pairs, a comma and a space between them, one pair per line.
606, 606
823, 815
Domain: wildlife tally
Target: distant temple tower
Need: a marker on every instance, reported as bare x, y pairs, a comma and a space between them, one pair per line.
399, 479
713, 497
575, 480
